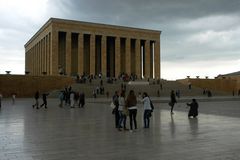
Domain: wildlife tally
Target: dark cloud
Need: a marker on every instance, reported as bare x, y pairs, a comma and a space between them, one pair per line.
192, 30
152, 10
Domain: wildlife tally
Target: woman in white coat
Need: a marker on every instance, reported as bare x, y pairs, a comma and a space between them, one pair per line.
147, 109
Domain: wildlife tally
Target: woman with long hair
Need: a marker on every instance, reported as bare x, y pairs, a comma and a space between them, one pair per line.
131, 104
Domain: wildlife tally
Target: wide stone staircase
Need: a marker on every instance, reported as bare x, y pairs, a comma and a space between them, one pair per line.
139, 86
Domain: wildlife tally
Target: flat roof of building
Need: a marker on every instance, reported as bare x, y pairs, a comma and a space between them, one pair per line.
53, 20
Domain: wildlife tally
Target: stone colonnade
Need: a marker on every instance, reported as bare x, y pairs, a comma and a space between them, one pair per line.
38, 57
90, 54
75, 48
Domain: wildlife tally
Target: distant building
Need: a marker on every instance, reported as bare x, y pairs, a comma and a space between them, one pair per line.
234, 75
76, 48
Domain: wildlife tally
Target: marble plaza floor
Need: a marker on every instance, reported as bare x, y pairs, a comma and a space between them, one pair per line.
89, 134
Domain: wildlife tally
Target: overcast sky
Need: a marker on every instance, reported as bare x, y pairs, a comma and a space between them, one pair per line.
199, 37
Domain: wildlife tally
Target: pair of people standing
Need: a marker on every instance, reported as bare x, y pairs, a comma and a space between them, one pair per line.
123, 108
131, 104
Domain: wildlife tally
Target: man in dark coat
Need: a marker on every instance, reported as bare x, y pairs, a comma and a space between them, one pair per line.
172, 101
193, 111
44, 97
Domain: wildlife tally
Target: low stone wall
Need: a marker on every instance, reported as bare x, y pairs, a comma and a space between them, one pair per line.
226, 85
26, 85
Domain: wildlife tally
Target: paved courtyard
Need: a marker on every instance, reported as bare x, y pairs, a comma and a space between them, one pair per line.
89, 134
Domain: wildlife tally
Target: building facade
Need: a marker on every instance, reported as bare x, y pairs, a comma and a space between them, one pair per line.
77, 48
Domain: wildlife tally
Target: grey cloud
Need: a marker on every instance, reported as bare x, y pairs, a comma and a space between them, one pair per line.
154, 9
182, 23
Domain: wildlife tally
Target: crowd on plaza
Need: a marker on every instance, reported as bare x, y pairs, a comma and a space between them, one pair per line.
70, 97
124, 107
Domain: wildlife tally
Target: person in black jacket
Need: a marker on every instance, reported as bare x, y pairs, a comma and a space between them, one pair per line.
193, 111
44, 98
172, 101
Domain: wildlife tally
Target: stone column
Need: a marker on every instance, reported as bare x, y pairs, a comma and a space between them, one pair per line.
42, 56
34, 60
138, 58
47, 55
54, 53
104, 55
128, 56
49, 52
117, 57
37, 59
68, 53
80, 54
27, 59
92, 54
157, 59
147, 59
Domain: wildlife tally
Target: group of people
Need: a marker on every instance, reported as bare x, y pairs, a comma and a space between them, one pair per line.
72, 98
128, 107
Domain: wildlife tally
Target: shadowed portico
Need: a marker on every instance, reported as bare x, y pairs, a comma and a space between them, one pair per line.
78, 48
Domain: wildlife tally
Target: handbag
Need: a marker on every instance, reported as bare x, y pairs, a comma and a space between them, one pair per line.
126, 112
112, 105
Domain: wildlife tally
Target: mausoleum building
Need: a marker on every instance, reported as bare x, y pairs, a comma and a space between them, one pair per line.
77, 48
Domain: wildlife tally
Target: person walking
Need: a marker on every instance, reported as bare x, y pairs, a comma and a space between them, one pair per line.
81, 100
193, 111
36, 97
44, 98
131, 104
147, 109
172, 101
